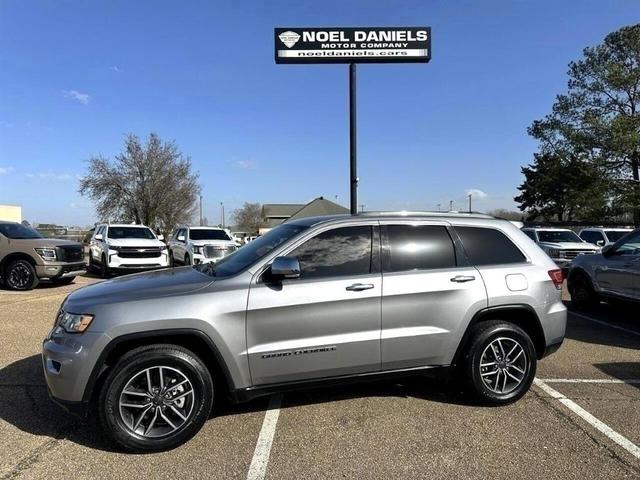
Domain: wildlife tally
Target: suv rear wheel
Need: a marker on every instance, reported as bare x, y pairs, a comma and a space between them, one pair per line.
20, 275
155, 398
583, 296
500, 363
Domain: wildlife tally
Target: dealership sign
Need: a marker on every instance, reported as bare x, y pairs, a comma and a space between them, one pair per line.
353, 45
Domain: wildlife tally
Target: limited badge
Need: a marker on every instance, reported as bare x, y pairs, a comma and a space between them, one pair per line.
289, 38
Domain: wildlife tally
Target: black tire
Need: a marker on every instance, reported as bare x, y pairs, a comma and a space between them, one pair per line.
173, 359
480, 381
583, 296
172, 262
92, 264
20, 275
104, 270
187, 259
63, 281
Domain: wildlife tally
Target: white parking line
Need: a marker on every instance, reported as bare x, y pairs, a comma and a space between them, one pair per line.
624, 442
258, 467
595, 320
630, 381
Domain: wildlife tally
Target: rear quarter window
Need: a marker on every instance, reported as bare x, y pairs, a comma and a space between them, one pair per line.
489, 246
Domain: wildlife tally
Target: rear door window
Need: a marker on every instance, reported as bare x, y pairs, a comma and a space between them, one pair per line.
418, 247
489, 246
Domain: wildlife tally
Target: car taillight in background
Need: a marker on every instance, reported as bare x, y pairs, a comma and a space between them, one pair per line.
557, 278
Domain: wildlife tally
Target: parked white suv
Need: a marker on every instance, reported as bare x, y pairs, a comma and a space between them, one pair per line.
126, 247
561, 244
195, 245
603, 236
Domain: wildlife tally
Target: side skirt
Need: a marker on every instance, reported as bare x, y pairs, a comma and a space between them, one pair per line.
248, 394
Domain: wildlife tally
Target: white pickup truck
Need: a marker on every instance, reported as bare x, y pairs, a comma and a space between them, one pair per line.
561, 244
195, 245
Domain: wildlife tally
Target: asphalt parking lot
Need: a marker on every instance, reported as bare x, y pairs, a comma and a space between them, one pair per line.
579, 421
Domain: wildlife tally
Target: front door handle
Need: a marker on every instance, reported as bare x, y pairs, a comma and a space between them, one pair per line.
358, 287
463, 278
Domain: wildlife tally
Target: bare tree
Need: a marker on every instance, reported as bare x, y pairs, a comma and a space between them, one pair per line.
249, 217
151, 184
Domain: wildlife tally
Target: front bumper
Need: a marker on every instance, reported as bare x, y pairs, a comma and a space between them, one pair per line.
67, 362
116, 262
60, 270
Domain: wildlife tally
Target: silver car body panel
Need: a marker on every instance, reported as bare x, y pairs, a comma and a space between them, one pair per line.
307, 329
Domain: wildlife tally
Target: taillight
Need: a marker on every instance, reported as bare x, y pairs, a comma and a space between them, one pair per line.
557, 278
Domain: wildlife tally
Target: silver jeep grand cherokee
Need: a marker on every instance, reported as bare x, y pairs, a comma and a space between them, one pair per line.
313, 302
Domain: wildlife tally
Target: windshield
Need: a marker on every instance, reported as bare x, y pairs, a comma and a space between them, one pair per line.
18, 231
117, 233
250, 253
558, 236
615, 235
208, 235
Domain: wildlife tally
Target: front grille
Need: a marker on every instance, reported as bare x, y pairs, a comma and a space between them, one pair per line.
211, 251
571, 254
70, 253
139, 252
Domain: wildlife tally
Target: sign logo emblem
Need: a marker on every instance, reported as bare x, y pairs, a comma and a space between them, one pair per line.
289, 38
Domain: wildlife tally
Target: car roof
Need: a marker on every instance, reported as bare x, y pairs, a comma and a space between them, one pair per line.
548, 229
399, 215
204, 228
122, 225
610, 229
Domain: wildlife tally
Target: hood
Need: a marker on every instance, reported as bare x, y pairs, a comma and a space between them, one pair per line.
215, 243
140, 286
41, 242
570, 245
134, 242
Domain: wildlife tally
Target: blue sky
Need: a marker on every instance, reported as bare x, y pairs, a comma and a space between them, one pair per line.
76, 76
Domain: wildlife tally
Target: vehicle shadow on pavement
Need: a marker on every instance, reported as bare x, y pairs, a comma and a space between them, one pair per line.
27, 406
586, 331
430, 387
621, 370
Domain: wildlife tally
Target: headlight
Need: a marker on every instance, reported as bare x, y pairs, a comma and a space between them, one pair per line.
46, 253
198, 250
163, 248
114, 247
74, 323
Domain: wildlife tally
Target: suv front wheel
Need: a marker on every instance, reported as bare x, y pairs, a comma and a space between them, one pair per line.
500, 363
155, 398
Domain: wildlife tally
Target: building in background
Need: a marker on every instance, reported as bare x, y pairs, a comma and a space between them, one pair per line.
11, 213
273, 214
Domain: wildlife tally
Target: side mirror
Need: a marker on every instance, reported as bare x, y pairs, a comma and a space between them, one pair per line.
608, 251
600, 243
98, 237
161, 237
181, 238
285, 267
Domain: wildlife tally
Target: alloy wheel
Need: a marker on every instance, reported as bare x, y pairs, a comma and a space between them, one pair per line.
20, 276
503, 365
156, 402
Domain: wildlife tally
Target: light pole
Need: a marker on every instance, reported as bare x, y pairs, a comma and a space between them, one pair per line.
200, 210
222, 213
469, 203
451, 205
439, 207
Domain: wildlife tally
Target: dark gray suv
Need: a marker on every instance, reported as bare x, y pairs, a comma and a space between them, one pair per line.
314, 301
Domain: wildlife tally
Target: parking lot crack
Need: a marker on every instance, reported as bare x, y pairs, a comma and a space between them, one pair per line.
555, 408
32, 458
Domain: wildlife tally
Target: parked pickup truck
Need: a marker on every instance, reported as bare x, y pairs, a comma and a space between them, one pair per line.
26, 257
561, 244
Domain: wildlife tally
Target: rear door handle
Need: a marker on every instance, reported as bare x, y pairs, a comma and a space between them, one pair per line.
358, 287
463, 278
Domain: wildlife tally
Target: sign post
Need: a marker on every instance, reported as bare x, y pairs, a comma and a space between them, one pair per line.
352, 45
